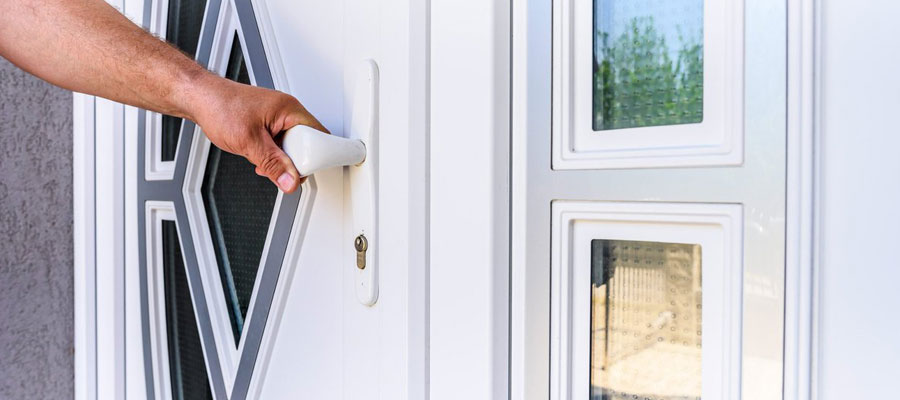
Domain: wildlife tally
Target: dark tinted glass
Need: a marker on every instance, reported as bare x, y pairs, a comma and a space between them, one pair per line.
171, 130
239, 207
648, 63
236, 69
186, 363
184, 19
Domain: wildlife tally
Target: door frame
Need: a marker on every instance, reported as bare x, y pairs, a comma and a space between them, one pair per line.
105, 137
425, 32
804, 96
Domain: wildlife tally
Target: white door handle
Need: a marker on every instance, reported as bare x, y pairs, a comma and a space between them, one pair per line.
312, 150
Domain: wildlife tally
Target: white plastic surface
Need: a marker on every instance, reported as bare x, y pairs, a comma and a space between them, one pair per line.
312, 150
363, 179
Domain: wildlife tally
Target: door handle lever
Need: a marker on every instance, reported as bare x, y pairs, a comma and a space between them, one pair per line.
312, 150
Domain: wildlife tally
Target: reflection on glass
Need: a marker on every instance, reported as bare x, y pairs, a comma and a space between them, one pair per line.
646, 306
648, 63
187, 367
183, 22
239, 207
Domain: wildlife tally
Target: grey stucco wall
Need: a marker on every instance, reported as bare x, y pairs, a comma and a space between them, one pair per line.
36, 298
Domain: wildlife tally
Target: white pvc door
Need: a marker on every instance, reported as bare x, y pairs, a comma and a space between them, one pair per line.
234, 290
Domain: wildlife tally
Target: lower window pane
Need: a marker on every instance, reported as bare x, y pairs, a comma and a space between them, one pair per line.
171, 130
187, 367
646, 328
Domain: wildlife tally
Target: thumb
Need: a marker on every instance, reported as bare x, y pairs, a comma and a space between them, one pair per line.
274, 164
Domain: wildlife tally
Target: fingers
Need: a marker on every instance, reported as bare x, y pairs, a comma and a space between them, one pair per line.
302, 117
268, 157
274, 164
263, 151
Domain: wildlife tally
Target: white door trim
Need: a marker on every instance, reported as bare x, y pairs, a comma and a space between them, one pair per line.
85, 248
801, 261
469, 199
98, 218
99, 241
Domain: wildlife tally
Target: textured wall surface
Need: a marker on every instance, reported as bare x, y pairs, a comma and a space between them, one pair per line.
35, 238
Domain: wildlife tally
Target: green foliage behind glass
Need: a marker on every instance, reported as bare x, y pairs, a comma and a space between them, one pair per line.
637, 83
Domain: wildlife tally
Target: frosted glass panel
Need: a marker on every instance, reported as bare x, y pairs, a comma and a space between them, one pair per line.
646, 328
648, 63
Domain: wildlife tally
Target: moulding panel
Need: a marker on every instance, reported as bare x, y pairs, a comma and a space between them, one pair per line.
716, 140
717, 228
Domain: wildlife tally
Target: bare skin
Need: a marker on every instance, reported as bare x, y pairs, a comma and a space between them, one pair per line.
88, 46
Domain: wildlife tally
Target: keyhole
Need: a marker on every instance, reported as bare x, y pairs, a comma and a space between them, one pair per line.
361, 244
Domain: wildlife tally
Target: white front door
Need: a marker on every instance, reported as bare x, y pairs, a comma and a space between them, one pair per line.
231, 289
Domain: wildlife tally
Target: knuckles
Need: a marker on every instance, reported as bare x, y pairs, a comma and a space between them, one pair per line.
269, 164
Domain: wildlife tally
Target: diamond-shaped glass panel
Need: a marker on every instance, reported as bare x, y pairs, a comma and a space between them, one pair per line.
183, 21
239, 207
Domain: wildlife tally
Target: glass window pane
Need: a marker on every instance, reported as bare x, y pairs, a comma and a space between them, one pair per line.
183, 22
239, 206
187, 366
236, 69
648, 63
646, 330
171, 130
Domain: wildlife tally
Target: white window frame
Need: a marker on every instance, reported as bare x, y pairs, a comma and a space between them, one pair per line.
717, 228
717, 140
157, 212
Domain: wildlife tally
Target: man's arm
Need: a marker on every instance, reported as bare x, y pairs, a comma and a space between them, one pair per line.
87, 46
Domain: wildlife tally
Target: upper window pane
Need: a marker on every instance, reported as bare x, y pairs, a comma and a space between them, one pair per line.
646, 328
183, 22
647, 63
